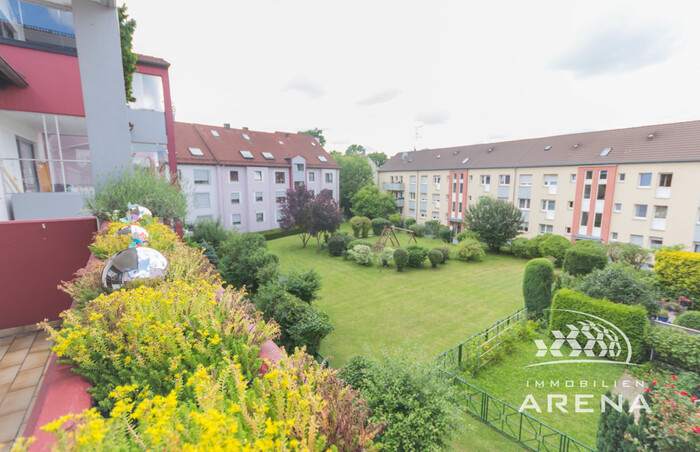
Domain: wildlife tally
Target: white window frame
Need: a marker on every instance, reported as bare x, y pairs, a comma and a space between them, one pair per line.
299, 167
240, 219
614, 237
208, 200
639, 180
485, 179
502, 178
615, 207
646, 211
262, 197
621, 177
548, 229
570, 205
525, 184
659, 239
312, 176
201, 181
572, 178
257, 173
329, 176
527, 202
239, 197
256, 217
547, 204
284, 177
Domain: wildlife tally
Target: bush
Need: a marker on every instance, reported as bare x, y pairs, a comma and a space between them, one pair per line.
537, 285
401, 259
408, 222
378, 225
273, 234
628, 254
467, 234
432, 228
418, 230
244, 259
555, 246
209, 231
358, 225
385, 256
621, 284
690, 319
353, 243
612, 426
632, 320
361, 254
581, 260
470, 250
519, 247
445, 234
161, 238
396, 220
679, 272
210, 253
416, 255
303, 285
676, 347
533, 245
445, 253
408, 396
436, 257
495, 221
336, 245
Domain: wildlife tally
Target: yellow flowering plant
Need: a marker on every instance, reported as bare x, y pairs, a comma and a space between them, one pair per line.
107, 243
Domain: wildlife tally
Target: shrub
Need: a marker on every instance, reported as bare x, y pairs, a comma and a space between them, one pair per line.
432, 227
690, 319
519, 247
632, 320
378, 225
385, 256
209, 231
679, 272
612, 426
555, 246
467, 234
621, 284
537, 285
336, 245
242, 258
582, 260
356, 225
408, 222
159, 192
628, 254
303, 285
445, 234
361, 254
401, 259
396, 220
533, 245
106, 245
408, 396
416, 255
436, 257
676, 347
273, 234
495, 221
470, 250
418, 230
353, 243
445, 253
210, 253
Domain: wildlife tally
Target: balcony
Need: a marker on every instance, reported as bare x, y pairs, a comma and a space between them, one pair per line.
400, 202
37, 24
393, 186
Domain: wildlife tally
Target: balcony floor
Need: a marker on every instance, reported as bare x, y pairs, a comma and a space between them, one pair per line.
24, 357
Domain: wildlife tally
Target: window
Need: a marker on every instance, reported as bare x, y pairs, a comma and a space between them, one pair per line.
214, 133
258, 196
655, 242
259, 217
278, 215
436, 215
660, 212
268, 156
572, 178
621, 177
696, 248
424, 197
148, 91
570, 205
436, 180
329, 178
201, 201
665, 179
235, 197
245, 135
201, 177
299, 166
598, 220
524, 203
312, 176
524, 227
601, 191
567, 230
196, 152
298, 184
246, 154
258, 176
613, 236
412, 179
461, 176
203, 218
546, 229
547, 204
411, 213
485, 180
412, 195
636, 239
618, 207
589, 174
526, 180
424, 179
640, 211
454, 206
280, 196
233, 176
603, 175
322, 158
644, 180
504, 179
236, 219
584, 219
279, 177
549, 179
423, 214
587, 191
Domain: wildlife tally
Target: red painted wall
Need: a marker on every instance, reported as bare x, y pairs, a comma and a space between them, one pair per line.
54, 82
36, 256
607, 205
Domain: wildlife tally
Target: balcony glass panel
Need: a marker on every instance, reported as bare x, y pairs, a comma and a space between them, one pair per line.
28, 22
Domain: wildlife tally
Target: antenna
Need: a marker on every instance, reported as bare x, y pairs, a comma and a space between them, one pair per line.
418, 136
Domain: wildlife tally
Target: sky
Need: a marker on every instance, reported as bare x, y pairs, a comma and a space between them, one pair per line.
397, 75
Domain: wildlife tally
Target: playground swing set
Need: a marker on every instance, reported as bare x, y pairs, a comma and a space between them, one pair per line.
388, 235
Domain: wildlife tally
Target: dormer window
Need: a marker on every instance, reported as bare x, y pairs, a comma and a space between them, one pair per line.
246, 154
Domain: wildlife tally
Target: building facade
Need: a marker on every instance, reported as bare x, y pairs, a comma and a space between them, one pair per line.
240, 176
64, 120
639, 185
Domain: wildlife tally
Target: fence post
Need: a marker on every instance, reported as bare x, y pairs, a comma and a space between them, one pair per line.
485, 407
459, 359
520, 428
562, 442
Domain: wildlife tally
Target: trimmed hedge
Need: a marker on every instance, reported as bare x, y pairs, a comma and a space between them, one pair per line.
432, 227
378, 225
632, 320
555, 246
679, 271
273, 234
445, 253
470, 250
582, 260
408, 222
436, 257
519, 247
360, 226
690, 319
444, 233
396, 220
416, 255
533, 245
400, 258
418, 230
337, 244
537, 285
675, 347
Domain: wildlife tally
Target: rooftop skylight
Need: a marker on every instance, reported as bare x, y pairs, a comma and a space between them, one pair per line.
215, 133
323, 159
245, 135
268, 156
547, 148
196, 152
605, 152
465, 160
281, 142
246, 154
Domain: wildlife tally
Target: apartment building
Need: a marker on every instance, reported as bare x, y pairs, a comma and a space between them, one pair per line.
64, 119
638, 185
240, 176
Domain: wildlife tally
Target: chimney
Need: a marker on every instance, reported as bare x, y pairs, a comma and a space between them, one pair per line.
286, 135
245, 128
227, 126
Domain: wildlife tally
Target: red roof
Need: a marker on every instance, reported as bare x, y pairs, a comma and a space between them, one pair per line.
223, 146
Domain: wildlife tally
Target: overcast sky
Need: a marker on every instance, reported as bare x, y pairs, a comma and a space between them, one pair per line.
376, 72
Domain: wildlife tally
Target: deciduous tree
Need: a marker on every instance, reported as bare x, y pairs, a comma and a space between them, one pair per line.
296, 212
379, 158
371, 203
326, 216
355, 173
495, 221
318, 133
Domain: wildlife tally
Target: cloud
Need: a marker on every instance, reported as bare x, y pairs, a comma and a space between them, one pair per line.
380, 97
306, 86
432, 118
617, 48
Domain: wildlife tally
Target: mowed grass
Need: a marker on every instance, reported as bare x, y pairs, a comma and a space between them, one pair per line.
432, 309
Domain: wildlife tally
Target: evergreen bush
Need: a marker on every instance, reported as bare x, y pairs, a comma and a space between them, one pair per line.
582, 260
470, 250
690, 319
537, 285
336, 245
436, 257
416, 255
519, 247
378, 225
418, 230
408, 222
401, 259
555, 246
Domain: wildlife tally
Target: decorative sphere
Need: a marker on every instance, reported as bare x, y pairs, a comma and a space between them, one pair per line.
132, 264
136, 212
134, 230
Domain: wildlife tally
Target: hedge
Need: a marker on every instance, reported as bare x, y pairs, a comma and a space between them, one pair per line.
418, 230
582, 260
400, 258
408, 222
416, 255
679, 271
690, 319
432, 227
378, 225
533, 245
675, 347
436, 257
519, 247
555, 246
353, 243
632, 320
537, 285
337, 244
273, 234
360, 226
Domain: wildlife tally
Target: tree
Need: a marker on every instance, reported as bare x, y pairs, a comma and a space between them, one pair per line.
356, 149
246, 262
370, 202
326, 216
355, 173
622, 284
379, 158
537, 285
318, 133
296, 212
129, 58
495, 221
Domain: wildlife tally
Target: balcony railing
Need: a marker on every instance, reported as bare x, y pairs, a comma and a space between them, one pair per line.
400, 202
393, 186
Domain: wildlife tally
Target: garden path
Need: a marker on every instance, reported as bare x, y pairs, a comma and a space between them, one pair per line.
630, 392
